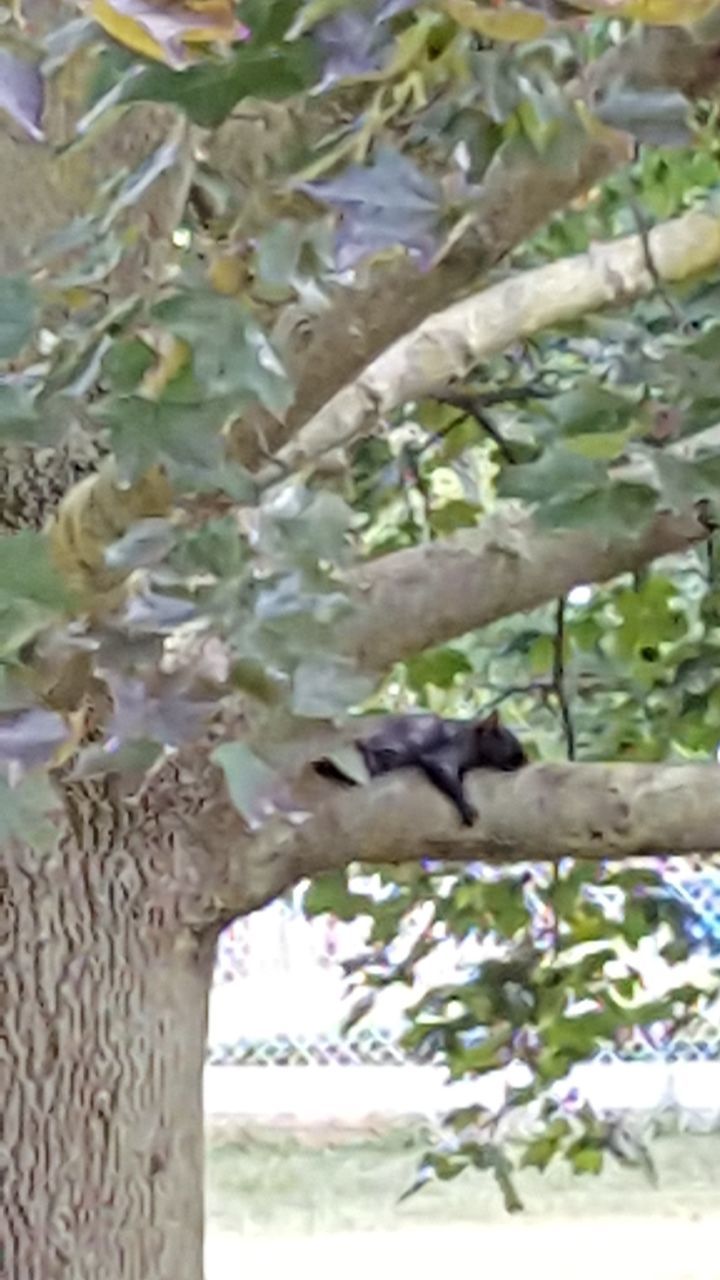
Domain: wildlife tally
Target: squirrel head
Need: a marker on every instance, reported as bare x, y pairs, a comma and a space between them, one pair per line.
497, 745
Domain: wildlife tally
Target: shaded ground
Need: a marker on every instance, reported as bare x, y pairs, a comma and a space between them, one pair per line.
333, 1211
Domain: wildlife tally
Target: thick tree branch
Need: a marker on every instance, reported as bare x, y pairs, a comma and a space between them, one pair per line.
451, 343
543, 813
410, 600
517, 198
444, 589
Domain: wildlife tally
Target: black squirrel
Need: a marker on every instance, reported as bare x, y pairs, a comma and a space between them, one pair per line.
445, 750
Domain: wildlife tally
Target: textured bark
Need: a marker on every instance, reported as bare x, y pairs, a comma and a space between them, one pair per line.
103, 1018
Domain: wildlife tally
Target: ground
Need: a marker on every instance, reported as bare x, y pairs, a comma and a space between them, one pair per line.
327, 1211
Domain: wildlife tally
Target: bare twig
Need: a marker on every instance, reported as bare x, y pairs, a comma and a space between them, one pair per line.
473, 405
643, 229
561, 693
559, 684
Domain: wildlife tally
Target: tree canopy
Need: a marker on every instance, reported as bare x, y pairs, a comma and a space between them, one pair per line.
359, 357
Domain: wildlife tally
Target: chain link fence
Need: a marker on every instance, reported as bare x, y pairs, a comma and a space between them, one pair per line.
280, 994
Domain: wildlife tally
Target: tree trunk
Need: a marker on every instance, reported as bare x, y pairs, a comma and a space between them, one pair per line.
104, 1001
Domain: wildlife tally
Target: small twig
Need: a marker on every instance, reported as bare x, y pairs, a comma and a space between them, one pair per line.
502, 395
411, 475
559, 679
540, 686
643, 229
473, 405
560, 690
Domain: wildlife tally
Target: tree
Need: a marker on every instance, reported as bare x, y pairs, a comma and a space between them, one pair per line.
321, 395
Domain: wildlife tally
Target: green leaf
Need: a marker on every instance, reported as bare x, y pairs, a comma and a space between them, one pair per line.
601, 445
505, 903
17, 315
126, 363
251, 676
649, 616
438, 667
27, 572
457, 514
558, 476
540, 1151
19, 418
324, 687
278, 252
329, 892
582, 1033
621, 506
266, 67
690, 482
306, 525
249, 780
20, 621
25, 810
131, 758
214, 548
489, 1055
489, 1155
585, 1158
185, 437
349, 761
231, 354
589, 407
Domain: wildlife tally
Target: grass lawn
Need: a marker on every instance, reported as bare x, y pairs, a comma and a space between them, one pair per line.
332, 1210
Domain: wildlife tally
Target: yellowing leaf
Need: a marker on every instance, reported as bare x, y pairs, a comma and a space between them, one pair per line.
76, 297
512, 22
603, 445
228, 273
173, 356
660, 13
77, 723
162, 29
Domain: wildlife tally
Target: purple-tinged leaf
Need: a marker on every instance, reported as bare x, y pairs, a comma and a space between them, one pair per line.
352, 45
29, 738
163, 713
383, 205
157, 613
118, 649
146, 542
22, 93
128, 758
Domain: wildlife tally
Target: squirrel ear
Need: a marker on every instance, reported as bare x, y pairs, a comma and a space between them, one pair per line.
492, 722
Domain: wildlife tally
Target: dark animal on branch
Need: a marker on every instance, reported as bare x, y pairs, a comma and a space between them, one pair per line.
445, 750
